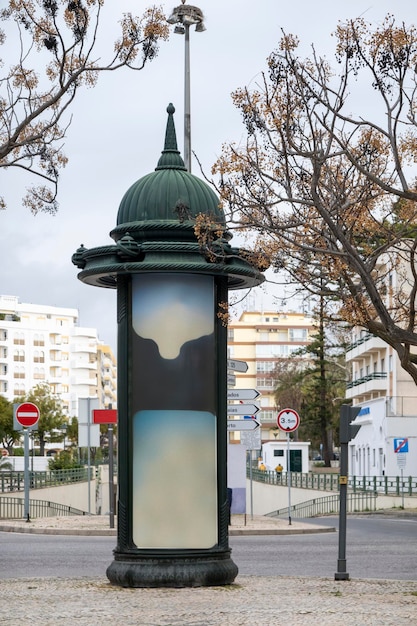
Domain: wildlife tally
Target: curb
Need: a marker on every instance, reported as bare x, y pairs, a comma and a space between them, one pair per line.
93, 532
281, 531
111, 532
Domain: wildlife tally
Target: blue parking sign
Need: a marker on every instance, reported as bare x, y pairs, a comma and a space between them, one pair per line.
401, 445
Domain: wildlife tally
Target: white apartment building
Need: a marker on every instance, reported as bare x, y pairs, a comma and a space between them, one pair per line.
261, 339
386, 444
41, 343
388, 399
107, 377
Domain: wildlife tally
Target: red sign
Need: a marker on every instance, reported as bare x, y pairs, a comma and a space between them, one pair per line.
288, 420
27, 414
104, 416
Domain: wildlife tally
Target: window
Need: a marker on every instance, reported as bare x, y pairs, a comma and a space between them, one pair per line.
19, 339
3, 386
271, 350
382, 365
38, 340
3, 334
265, 366
39, 373
298, 334
18, 355
266, 416
265, 383
278, 452
19, 372
292, 349
3, 369
38, 357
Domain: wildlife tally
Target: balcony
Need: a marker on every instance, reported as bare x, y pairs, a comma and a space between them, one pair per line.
367, 384
366, 344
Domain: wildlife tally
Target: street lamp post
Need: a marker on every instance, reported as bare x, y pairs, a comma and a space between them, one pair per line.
183, 17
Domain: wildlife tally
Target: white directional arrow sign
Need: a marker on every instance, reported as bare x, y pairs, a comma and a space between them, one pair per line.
237, 366
243, 424
242, 394
242, 409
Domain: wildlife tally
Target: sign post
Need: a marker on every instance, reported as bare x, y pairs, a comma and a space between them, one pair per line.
401, 449
288, 420
26, 417
348, 431
109, 417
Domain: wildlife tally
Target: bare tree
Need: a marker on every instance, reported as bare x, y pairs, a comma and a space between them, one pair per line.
54, 47
327, 175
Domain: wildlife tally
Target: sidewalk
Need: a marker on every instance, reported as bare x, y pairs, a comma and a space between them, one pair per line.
260, 601
250, 601
99, 525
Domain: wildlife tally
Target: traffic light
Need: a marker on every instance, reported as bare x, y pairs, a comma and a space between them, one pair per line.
348, 431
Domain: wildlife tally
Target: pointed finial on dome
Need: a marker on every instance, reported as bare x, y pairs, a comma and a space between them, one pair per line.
170, 134
170, 157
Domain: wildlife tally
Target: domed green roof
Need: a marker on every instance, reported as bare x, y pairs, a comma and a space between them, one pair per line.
170, 193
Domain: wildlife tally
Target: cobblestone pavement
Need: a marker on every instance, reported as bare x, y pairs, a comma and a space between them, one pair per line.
254, 601
266, 601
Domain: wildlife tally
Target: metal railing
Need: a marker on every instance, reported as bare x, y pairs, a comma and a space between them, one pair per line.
327, 505
366, 379
383, 485
14, 508
14, 481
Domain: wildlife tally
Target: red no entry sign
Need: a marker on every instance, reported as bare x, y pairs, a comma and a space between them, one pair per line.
27, 414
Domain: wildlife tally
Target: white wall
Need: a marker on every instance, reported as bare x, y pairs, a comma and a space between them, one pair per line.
372, 453
37, 463
269, 498
76, 494
271, 460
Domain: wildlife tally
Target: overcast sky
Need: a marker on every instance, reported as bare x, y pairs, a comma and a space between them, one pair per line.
117, 135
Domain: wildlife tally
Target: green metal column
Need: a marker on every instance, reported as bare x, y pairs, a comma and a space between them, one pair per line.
172, 375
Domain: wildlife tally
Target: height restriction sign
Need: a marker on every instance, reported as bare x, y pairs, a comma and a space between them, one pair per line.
288, 420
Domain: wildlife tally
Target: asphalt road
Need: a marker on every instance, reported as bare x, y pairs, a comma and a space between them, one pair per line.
377, 547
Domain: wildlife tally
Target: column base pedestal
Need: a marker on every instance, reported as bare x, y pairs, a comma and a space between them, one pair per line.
139, 571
